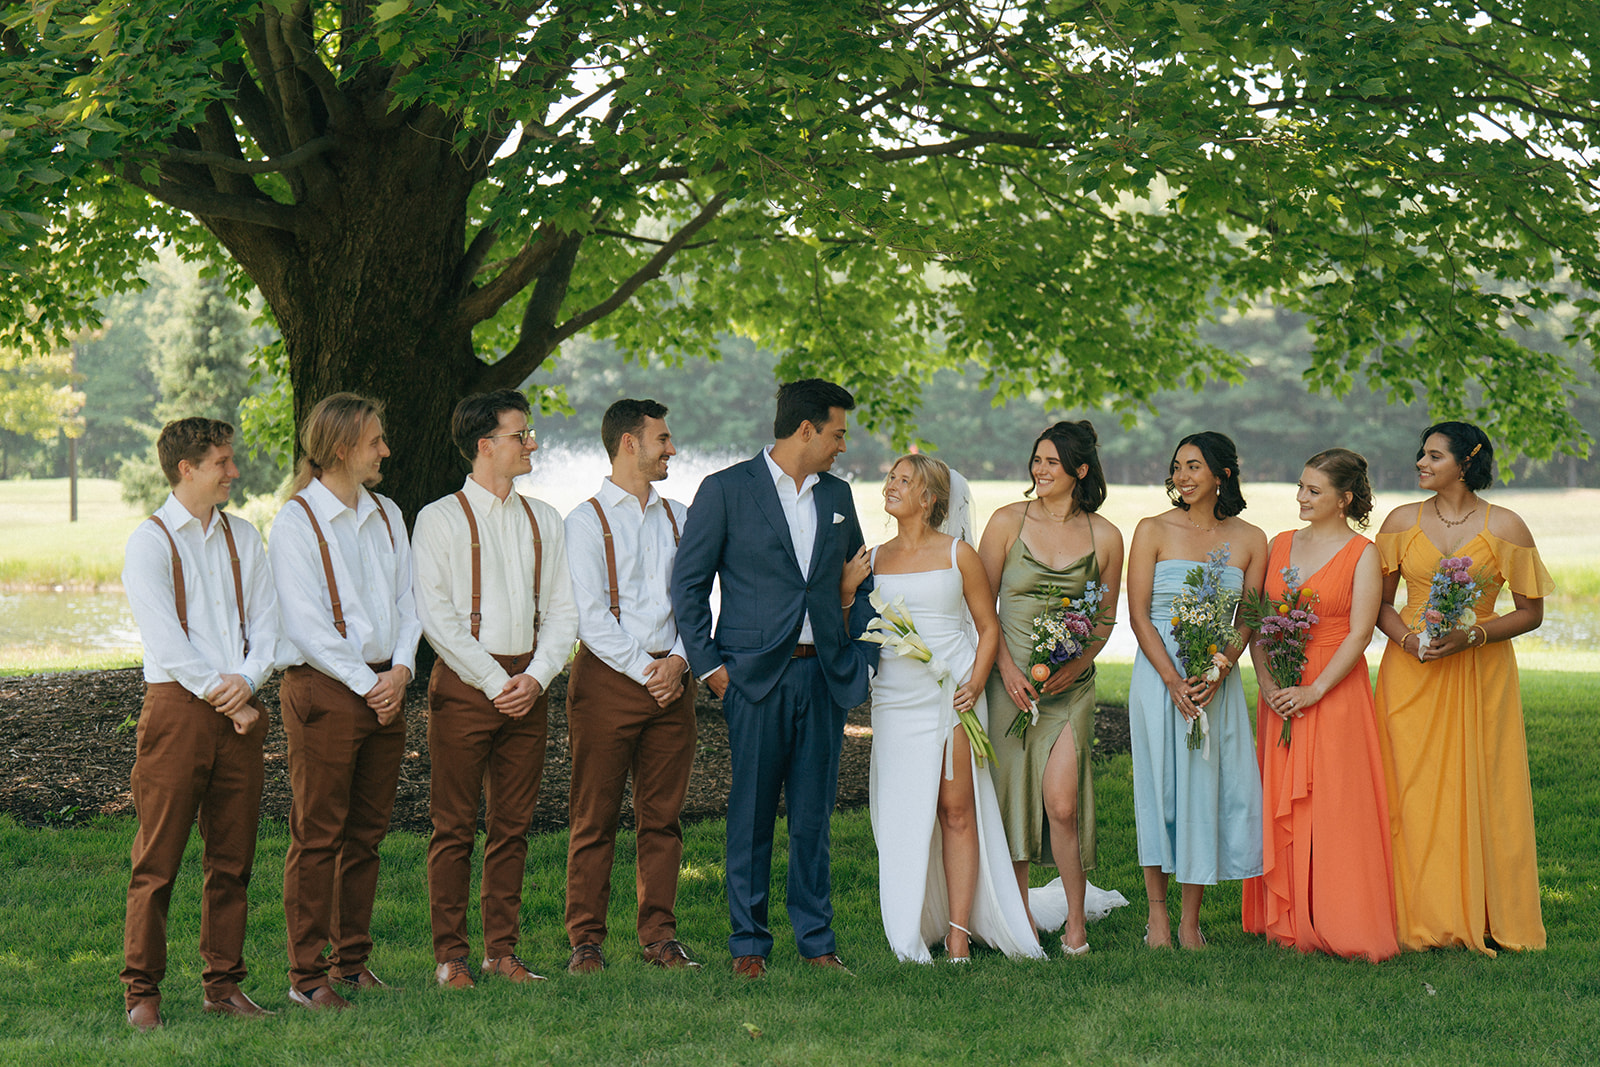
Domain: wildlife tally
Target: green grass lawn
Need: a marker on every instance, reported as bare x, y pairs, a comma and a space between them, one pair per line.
1243, 1000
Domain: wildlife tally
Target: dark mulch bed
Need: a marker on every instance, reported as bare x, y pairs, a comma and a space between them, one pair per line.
67, 747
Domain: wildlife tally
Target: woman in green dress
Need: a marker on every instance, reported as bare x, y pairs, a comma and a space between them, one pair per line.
1043, 780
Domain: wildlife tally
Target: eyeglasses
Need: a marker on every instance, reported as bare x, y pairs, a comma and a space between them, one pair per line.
525, 436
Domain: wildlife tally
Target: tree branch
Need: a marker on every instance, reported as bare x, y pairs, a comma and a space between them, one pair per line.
297, 35
524, 266
961, 144
292, 101
649, 272
237, 165
536, 339
473, 259
258, 211
253, 109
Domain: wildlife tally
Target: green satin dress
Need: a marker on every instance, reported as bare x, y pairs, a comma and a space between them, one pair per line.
1019, 764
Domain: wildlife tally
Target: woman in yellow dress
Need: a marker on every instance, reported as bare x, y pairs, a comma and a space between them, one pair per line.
1450, 712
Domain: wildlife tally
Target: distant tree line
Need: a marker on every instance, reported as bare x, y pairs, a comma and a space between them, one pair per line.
185, 346
1273, 416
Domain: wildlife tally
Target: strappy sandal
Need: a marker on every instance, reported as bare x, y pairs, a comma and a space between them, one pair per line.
1068, 951
958, 959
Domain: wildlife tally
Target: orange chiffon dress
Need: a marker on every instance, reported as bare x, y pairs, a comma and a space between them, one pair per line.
1327, 880
1455, 761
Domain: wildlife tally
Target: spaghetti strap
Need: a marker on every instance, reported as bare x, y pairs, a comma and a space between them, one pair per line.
954, 541
1090, 517
1486, 508
872, 559
1418, 519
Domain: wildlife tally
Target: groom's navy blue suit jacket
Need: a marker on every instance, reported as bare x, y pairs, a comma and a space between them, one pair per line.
736, 531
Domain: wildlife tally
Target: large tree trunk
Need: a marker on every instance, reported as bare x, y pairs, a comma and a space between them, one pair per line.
366, 300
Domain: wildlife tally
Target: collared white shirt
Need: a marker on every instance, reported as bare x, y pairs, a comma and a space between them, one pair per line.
442, 562
374, 581
800, 510
644, 545
213, 646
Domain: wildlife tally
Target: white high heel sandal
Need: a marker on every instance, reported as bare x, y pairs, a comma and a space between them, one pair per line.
958, 959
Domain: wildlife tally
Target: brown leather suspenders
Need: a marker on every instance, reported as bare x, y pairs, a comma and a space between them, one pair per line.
327, 560
179, 595
611, 551
476, 617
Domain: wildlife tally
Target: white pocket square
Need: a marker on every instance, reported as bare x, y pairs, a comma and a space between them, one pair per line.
837, 518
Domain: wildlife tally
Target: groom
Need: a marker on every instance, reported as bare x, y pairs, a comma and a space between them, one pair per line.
782, 535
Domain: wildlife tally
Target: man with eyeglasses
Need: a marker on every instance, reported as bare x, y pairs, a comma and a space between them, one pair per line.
496, 603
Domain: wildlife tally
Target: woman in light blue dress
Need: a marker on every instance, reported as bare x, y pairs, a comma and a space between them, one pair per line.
1198, 811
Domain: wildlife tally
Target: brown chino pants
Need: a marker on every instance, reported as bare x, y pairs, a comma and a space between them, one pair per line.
344, 768
615, 726
190, 764
478, 753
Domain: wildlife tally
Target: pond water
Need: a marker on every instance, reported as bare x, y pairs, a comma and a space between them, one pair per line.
94, 623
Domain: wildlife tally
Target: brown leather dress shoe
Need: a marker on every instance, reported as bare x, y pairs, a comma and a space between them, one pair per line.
669, 955
453, 974
586, 959
145, 1015
322, 998
830, 959
512, 967
750, 966
238, 1004
363, 979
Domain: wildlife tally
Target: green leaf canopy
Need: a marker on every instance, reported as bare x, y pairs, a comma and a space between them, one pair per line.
439, 194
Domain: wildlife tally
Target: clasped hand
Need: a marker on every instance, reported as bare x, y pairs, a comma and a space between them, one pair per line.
516, 699
1291, 701
232, 698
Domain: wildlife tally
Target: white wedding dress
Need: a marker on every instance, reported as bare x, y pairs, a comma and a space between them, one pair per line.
912, 720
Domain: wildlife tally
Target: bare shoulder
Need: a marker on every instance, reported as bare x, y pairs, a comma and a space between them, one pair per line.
1105, 529
1005, 524
1400, 519
1508, 526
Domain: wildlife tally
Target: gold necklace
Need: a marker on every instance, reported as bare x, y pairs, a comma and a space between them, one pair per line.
1452, 522
1197, 526
1071, 511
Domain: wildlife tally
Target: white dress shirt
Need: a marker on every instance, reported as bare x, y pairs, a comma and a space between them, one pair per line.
800, 509
374, 581
645, 548
213, 646
442, 557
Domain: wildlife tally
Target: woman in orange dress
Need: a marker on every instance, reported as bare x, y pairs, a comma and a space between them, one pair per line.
1327, 880
1450, 711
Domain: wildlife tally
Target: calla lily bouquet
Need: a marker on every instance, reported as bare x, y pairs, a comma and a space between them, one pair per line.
896, 631
1202, 625
1283, 628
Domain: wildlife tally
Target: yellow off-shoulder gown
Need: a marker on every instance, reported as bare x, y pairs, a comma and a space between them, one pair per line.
1455, 762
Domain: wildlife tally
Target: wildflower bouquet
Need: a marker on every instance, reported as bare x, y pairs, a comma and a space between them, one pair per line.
1451, 597
1062, 632
1283, 628
1202, 625
896, 631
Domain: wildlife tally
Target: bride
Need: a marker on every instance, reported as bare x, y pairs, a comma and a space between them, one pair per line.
944, 871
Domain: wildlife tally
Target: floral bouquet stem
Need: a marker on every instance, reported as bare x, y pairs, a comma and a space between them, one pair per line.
1283, 629
1202, 626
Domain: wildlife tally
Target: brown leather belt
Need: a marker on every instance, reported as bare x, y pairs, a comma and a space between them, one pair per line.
804, 652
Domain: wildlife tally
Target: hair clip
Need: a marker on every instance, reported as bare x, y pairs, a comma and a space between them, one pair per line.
1474, 451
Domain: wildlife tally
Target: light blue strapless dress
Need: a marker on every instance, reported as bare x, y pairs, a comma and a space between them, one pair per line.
1198, 819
